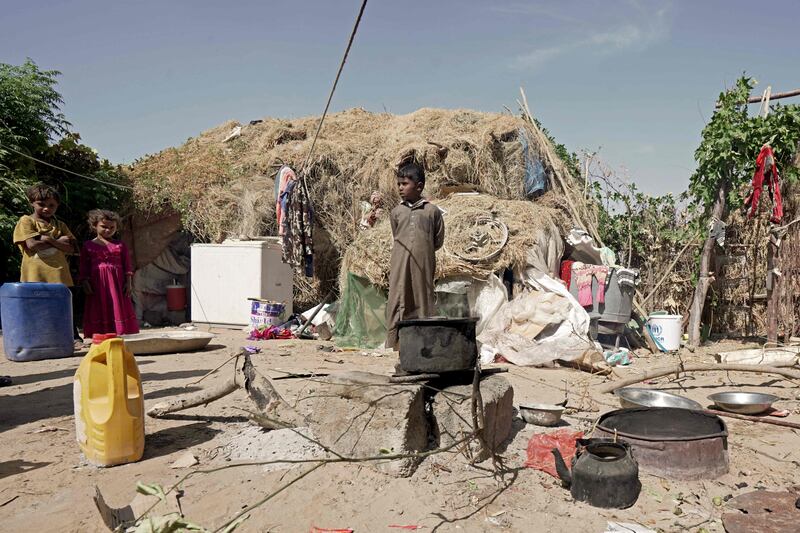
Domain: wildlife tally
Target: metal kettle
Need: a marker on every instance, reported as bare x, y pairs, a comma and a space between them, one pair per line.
604, 474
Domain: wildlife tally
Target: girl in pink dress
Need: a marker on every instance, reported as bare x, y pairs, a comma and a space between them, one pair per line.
106, 276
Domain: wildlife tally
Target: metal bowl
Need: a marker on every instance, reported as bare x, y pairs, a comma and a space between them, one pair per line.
541, 414
745, 403
633, 397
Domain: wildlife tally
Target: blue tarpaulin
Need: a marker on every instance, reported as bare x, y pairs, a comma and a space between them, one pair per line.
535, 181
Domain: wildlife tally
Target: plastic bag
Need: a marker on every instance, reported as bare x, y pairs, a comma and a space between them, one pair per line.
540, 455
568, 340
535, 180
485, 299
361, 319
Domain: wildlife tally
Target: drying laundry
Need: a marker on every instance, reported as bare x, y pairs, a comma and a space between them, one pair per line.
282, 179
627, 277
296, 228
566, 272
583, 277
766, 168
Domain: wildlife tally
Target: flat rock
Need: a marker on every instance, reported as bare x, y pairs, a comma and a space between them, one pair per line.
452, 411
358, 414
186, 460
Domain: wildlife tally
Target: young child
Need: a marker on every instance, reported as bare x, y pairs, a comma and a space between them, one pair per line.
106, 275
44, 242
418, 231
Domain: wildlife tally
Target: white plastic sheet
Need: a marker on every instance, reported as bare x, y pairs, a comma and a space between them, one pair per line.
566, 339
486, 298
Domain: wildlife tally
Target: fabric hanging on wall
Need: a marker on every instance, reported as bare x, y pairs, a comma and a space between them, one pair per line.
296, 227
284, 176
766, 167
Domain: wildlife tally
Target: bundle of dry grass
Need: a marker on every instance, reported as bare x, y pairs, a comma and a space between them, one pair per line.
370, 253
224, 189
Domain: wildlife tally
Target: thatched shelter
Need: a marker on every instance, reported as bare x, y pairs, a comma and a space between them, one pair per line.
740, 290
223, 186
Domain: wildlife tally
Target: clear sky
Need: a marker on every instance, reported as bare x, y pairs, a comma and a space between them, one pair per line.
635, 78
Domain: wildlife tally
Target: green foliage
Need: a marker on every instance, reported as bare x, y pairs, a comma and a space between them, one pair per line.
570, 159
29, 107
31, 123
732, 139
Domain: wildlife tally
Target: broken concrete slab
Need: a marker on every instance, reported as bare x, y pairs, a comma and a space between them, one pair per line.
358, 414
253, 443
452, 412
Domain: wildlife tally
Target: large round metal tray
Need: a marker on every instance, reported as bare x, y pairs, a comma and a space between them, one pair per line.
636, 397
746, 403
671, 442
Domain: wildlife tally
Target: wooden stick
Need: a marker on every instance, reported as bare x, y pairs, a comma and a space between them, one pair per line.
661, 372
228, 360
669, 268
194, 399
762, 420
704, 280
776, 96
314, 314
266, 398
557, 170
259, 389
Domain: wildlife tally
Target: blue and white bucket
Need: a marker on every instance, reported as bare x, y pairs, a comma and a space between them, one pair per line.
264, 313
666, 330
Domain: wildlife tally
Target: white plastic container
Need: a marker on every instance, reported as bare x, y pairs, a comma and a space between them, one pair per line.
225, 275
666, 329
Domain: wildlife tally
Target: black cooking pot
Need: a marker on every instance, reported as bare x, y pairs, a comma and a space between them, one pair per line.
434, 345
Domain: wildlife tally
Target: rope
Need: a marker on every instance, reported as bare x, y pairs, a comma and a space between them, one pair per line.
65, 170
330, 96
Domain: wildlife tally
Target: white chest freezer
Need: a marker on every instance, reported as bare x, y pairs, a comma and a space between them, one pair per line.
225, 275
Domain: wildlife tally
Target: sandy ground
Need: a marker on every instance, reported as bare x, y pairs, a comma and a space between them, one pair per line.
46, 486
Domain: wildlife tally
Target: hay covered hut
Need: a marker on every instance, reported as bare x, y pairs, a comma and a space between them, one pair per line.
222, 182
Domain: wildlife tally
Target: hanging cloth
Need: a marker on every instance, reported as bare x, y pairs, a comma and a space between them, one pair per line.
282, 179
765, 166
296, 227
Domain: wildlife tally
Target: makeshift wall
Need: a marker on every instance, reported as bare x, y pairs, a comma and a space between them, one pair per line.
148, 233
739, 290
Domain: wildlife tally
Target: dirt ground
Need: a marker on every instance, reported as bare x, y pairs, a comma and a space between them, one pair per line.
46, 486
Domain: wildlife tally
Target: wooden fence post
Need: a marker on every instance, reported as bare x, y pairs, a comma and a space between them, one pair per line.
704, 279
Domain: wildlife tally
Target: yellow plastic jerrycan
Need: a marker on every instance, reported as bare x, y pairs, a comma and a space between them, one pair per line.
109, 406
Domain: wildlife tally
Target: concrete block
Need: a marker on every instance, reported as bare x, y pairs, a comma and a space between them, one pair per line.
358, 414
452, 412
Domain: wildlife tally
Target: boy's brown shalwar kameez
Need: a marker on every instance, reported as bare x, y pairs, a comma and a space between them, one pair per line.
418, 231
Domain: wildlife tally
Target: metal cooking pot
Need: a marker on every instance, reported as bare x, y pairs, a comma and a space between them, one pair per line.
437, 344
671, 442
604, 474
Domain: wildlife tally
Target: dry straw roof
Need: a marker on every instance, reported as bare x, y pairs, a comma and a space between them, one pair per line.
225, 189
369, 255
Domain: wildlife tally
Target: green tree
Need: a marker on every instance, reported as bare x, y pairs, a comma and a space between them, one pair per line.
732, 139
32, 126
725, 163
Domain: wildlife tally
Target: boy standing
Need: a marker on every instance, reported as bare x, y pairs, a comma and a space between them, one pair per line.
44, 240
418, 231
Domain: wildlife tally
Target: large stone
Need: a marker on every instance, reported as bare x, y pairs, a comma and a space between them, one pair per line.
452, 412
358, 414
